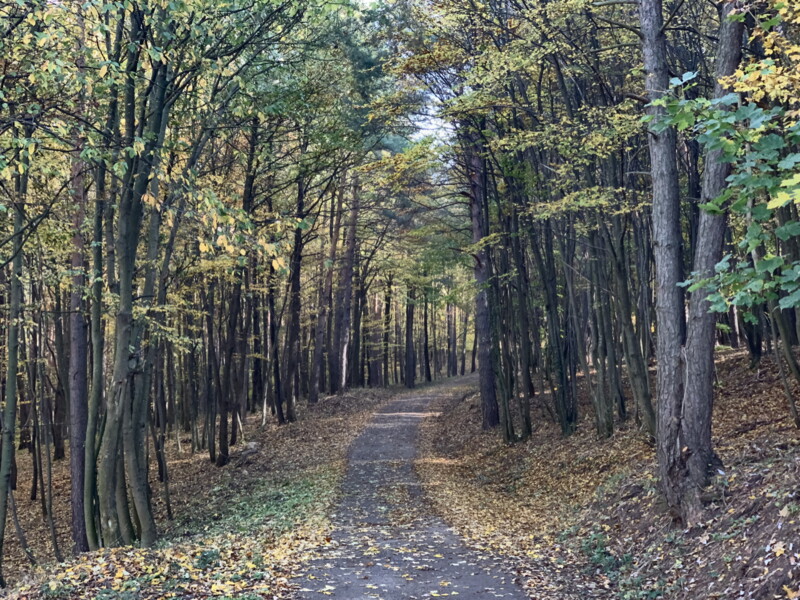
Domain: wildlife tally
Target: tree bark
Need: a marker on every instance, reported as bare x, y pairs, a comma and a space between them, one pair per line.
78, 355
13, 329
317, 361
694, 437
345, 298
476, 169
410, 361
387, 328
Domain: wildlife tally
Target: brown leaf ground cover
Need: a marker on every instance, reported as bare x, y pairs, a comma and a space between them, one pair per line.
240, 531
582, 518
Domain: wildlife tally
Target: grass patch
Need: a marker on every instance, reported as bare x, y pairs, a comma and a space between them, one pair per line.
271, 504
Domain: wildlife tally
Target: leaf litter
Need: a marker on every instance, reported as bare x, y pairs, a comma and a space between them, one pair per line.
241, 532
580, 517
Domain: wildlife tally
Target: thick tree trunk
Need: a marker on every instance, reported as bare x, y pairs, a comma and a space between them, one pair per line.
667, 251
476, 169
226, 384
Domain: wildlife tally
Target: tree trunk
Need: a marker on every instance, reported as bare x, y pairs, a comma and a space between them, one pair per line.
78, 356
387, 328
317, 361
13, 329
410, 360
345, 297
476, 168
426, 353
291, 389
694, 436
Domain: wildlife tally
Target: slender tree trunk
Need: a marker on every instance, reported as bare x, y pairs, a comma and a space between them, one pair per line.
96, 395
211, 361
61, 403
426, 353
410, 361
277, 390
694, 436
78, 355
526, 389
376, 342
345, 297
317, 361
387, 327
291, 390
637, 368
78, 358
464, 328
120, 402
12, 356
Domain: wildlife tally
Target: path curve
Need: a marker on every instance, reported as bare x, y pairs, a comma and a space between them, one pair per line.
387, 544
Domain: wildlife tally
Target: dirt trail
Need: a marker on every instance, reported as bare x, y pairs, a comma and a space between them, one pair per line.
387, 543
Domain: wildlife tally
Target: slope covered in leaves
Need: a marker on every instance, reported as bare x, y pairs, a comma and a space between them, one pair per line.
582, 518
239, 532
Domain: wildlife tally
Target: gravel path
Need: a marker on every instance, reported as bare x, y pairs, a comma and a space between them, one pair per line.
387, 543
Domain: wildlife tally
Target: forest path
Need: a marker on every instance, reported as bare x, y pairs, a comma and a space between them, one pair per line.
387, 543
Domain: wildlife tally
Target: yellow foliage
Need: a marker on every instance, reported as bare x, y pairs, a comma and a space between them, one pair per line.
775, 78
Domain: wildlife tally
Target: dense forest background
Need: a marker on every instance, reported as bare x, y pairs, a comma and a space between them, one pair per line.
215, 212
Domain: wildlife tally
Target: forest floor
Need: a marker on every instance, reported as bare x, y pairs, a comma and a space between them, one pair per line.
399, 494
581, 517
242, 531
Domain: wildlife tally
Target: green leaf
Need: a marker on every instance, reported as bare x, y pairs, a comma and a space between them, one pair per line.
771, 142
790, 301
789, 162
769, 264
711, 208
788, 230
